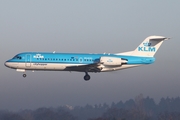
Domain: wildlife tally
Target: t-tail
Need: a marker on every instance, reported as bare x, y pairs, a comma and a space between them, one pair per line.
148, 47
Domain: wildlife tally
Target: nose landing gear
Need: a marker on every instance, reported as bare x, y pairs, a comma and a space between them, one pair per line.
24, 75
87, 76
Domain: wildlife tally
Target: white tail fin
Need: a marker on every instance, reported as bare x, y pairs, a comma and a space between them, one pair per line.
149, 46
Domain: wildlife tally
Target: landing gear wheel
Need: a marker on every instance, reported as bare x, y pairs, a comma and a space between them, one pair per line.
24, 75
87, 77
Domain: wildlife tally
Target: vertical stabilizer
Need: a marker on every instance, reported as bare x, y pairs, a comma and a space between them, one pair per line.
149, 46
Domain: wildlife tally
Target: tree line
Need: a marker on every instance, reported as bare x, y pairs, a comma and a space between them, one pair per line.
139, 108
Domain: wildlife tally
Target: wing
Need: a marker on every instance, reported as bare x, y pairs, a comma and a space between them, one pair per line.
94, 67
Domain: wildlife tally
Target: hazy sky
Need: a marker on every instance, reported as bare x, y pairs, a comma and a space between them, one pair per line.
92, 26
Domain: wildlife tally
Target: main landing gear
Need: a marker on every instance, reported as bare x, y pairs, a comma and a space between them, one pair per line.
87, 76
24, 75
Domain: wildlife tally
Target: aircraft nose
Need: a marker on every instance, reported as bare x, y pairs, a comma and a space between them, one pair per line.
6, 64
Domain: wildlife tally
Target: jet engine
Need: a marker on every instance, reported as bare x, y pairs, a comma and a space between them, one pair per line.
111, 61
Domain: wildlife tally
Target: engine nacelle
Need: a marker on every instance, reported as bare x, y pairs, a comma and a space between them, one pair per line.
111, 61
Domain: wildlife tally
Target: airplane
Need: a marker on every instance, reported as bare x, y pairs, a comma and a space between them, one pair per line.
87, 62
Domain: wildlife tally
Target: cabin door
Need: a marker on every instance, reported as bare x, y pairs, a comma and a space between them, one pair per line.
28, 60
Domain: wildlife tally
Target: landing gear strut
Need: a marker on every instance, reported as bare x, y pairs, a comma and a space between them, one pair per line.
87, 76
24, 75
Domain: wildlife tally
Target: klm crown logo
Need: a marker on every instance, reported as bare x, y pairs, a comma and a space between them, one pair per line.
147, 47
147, 44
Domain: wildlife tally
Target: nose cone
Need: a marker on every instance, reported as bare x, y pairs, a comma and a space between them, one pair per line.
6, 64
11, 64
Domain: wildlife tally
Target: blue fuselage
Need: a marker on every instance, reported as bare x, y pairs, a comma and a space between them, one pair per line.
42, 61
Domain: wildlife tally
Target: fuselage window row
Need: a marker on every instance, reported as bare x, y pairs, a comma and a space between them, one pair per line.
53, 59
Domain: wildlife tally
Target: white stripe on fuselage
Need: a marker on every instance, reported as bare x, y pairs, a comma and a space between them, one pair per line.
40, 66
61, 67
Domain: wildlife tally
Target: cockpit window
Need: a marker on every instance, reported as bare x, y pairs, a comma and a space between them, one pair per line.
17, 57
